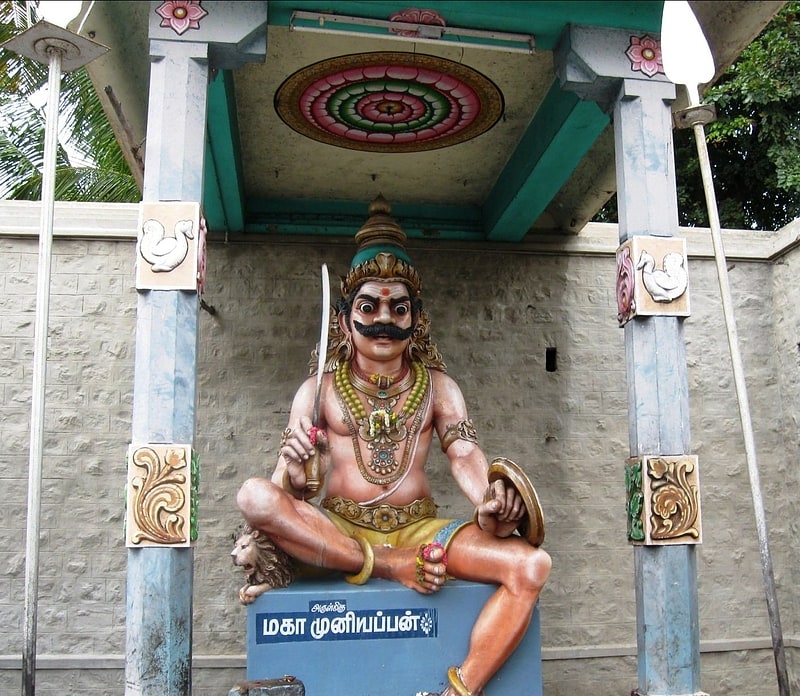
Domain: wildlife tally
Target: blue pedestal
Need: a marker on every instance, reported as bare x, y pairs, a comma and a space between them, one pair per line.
379, 639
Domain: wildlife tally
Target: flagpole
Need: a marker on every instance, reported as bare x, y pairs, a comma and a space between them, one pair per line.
62, 50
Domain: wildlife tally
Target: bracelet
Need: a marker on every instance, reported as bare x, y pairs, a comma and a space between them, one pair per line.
456, 680
369, 562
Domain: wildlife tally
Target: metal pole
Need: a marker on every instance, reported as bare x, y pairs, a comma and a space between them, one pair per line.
39, 374
744, 412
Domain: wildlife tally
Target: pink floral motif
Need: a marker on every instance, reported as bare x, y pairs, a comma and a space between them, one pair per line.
415, 16
645, 55
626, 305
181, 14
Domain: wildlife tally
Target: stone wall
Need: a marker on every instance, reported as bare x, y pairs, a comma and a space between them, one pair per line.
494, 314
786, 327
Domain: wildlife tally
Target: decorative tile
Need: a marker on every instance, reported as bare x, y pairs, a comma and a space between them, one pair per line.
181, 15
644, 53
169, 244
162, 495
663, 500
652, 278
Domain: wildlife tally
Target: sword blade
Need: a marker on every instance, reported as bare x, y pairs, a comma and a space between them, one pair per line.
322, 350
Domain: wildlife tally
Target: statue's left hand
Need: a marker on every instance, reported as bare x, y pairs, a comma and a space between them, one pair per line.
501, 511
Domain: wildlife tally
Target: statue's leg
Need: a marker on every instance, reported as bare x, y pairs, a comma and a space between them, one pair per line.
300, 529
521, 570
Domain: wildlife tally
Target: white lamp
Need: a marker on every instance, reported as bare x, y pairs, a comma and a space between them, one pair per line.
685, 53
58, 12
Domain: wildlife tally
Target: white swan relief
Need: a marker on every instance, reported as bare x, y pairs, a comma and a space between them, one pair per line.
164, 252
665, 284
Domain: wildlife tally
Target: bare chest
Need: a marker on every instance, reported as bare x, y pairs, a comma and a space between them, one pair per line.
383, 432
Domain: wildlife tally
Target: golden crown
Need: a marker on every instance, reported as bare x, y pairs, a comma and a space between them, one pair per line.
381, 254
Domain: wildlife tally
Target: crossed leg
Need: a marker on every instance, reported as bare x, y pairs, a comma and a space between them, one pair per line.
306, 534
519, 569
300, 529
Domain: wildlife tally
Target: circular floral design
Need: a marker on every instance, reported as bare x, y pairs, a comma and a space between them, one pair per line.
645, 55
181, 15
389, 102
385, 518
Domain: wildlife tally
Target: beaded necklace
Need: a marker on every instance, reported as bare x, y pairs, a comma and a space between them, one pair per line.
382, 429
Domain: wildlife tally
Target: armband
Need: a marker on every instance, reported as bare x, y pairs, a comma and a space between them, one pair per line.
463, 430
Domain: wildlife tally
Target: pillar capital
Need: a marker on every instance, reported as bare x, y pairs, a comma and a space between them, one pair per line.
596, 63
235, 31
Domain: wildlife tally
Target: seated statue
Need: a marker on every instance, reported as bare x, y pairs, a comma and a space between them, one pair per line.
383, 395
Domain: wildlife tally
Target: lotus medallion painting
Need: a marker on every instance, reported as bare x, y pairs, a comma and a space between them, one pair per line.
389, 102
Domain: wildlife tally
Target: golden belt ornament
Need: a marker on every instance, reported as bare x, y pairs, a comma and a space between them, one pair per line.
383, 517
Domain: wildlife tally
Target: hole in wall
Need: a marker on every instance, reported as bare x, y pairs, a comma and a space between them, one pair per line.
550, 359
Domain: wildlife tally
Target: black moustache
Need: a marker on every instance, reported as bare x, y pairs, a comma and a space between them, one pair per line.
383, 330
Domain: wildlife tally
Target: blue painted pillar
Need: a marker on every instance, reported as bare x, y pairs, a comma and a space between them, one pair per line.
668, 632
159, 580
185, 51
610, 67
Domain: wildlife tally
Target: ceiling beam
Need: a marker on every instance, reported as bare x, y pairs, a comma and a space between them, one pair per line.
223, 187
345, 218
560, 134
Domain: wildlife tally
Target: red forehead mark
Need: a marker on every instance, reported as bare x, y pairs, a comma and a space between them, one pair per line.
384, 291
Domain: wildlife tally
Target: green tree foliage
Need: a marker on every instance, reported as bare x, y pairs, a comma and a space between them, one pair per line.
754, 145
90, 165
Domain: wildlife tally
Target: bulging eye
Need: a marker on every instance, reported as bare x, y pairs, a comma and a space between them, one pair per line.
402, 309
366, 307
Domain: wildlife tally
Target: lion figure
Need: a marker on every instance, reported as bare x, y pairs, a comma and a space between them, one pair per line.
265, 566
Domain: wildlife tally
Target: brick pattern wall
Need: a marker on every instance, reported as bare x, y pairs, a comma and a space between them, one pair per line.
493, 316
786, 326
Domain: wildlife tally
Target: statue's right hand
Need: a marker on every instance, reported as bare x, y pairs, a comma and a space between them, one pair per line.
296, 445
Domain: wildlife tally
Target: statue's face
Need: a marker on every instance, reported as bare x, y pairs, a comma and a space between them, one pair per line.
381, 320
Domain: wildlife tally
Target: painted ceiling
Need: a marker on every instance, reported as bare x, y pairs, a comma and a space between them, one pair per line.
467, 142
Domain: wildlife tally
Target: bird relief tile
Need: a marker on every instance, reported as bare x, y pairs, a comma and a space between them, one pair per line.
168, 246
652, 278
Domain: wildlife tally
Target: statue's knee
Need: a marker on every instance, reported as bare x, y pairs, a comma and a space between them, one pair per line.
254, 497
535, 570
540, 567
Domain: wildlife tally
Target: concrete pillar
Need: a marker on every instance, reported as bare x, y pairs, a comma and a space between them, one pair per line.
159, 581
221, 35
619, 70
668, 632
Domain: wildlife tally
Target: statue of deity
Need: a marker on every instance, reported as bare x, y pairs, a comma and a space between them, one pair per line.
383, 395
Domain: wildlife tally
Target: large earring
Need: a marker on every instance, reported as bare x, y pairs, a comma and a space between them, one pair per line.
348, 347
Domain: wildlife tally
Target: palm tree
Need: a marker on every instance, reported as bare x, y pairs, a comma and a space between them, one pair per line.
90, 165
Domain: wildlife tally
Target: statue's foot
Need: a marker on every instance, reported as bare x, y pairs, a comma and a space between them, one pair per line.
423, 569
457, 686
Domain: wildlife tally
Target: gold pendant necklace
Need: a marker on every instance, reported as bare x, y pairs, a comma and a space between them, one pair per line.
382, 429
